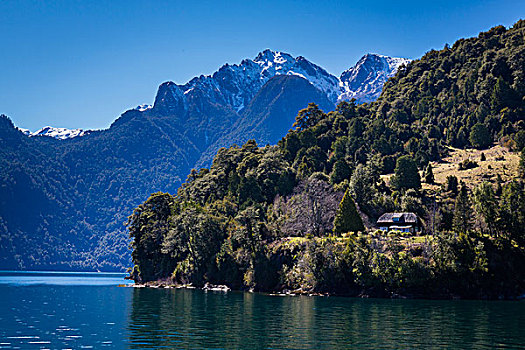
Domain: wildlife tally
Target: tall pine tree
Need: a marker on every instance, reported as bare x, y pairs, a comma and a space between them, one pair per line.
429, 174
347, 218
462, 220
406, 174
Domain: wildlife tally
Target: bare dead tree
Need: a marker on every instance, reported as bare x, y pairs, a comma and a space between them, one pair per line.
309, 210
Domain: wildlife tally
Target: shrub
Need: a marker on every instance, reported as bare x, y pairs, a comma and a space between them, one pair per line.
468, 164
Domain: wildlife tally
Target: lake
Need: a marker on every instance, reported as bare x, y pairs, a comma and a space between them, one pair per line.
90, 311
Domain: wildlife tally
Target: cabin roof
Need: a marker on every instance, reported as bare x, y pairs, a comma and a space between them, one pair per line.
397, 218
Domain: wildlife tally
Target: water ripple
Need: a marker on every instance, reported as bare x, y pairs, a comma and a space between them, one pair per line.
90, 317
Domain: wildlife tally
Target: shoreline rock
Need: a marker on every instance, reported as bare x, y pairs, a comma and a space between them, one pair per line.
165, 284
216, 288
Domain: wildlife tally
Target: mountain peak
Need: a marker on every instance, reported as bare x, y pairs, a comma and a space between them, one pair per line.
265, 54
234, 85
170, 99
365, 80
277, 57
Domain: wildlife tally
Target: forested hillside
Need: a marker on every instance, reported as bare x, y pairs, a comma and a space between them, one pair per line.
64, 202
291, 216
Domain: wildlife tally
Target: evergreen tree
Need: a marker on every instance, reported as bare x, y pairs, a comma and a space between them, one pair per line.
406, 174
147, 226
511, 211
347, 219
429, 174
519, 139
362, 184
485, 205
462, 220
340, 172
308, 117
480, 136
502, 96
452, 184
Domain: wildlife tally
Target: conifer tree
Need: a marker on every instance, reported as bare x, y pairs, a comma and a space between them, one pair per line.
502, 96
347, 218
452, 184
340, 172
429, 174
479, 136
462, 220
406, 174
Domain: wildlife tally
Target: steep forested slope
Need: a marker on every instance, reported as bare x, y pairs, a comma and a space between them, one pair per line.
270, 114
63, 203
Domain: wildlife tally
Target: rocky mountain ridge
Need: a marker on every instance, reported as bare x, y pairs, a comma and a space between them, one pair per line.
235, 85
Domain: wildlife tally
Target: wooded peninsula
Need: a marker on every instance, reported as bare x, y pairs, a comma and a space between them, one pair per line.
418, 194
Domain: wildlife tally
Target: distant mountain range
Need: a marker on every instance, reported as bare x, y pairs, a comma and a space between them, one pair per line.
65, 194
235, 85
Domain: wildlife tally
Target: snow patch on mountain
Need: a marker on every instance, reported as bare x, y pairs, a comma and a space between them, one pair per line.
57, 133
143, 107
26, 132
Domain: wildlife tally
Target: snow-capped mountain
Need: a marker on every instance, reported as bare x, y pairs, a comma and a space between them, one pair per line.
365, 80
57, 133
235, 85
229, 90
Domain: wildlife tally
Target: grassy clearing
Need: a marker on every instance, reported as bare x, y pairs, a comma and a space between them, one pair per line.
498, 161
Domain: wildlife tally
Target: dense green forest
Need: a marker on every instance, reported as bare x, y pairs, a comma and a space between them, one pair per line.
63, 203
292, 216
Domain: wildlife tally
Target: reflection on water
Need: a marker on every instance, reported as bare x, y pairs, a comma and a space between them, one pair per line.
90, 311
63, 317
196, 319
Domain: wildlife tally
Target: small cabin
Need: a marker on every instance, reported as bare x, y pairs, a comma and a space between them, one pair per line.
402, 222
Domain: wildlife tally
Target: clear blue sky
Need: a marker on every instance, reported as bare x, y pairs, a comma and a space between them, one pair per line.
80, 64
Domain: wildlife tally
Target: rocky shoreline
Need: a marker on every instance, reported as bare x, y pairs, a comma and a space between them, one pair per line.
219, 288
165, 284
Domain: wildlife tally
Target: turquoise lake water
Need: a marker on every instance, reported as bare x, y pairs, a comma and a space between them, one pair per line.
90, 311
